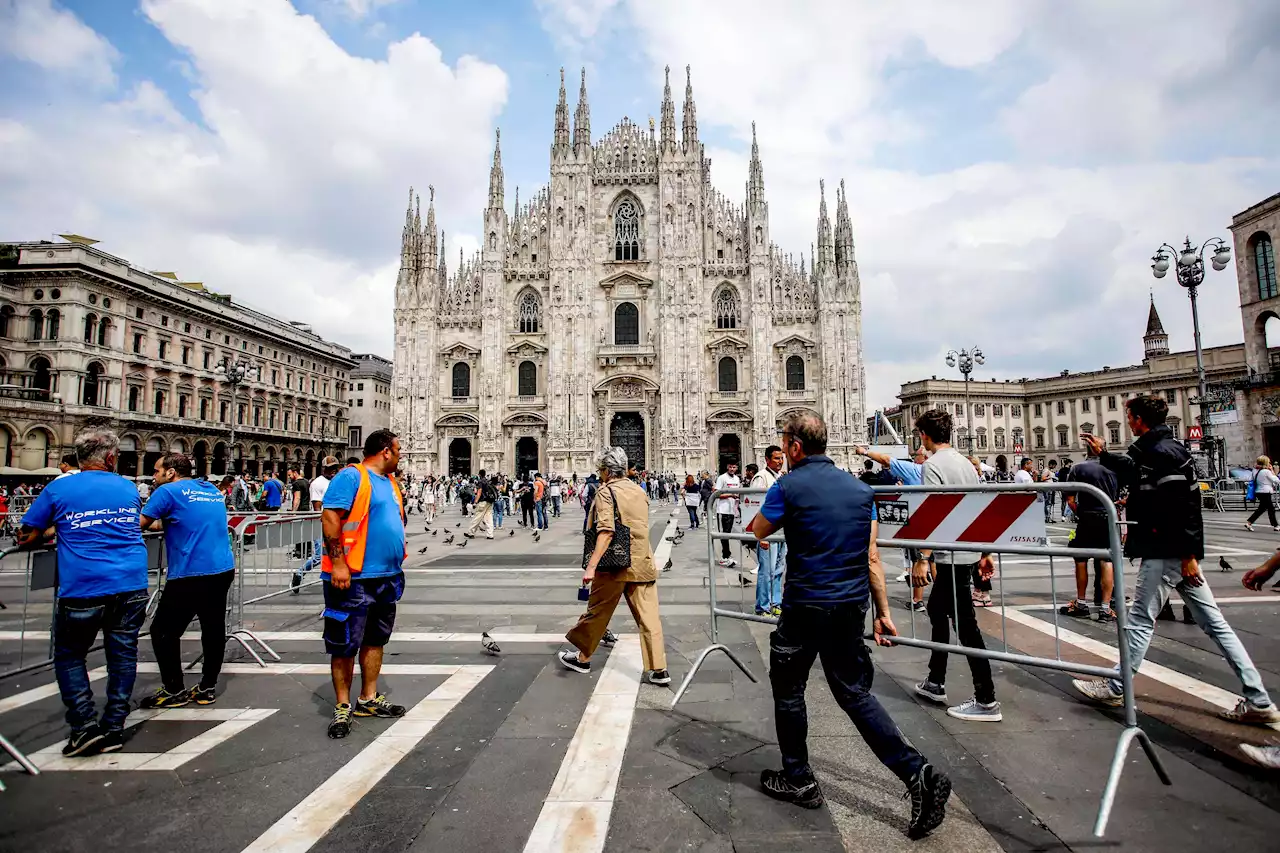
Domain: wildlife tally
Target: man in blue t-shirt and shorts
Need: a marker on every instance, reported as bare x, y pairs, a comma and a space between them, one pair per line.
360, 606
200, 571
833, 575
102, 586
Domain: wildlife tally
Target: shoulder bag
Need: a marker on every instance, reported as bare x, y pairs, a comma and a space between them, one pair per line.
618, 555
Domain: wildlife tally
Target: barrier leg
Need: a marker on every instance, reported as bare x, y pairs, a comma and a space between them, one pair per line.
697, 664
1117, 767
261, 643
248, 648
19, 757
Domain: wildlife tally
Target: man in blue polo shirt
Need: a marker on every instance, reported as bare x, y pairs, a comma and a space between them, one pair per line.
833, 574
102, 586
199, 577
272, 493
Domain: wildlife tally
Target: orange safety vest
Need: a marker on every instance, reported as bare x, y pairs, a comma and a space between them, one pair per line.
355, 529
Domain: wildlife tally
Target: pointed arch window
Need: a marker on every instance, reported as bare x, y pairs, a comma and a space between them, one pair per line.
1264, 261
626, 232
462, 379
728, 314
527, 381
626, 324
795, 373
727, 372
529, 313
41, 374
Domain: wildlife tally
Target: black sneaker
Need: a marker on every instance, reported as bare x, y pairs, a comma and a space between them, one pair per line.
163, 698
204, 695
112, 741
295, 583
928, 792
660, 677
569, 660
1076, 609
83, 742
340, 725
609, 639
378, 706
807, 795
1106, 614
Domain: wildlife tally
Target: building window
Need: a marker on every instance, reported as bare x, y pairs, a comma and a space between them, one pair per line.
626, 324
240, 414
1172, 396
997, 410
54, 324
999, 439
359, 386
462, 379
1017, 435
1039, 438
135, 397
164, 321
1173, 425
137, 313
186, 355
257, 416
528, 379
728, 374
1113, 433
1015, 411
1111, 403
1039, 412
37, 325
795, 373
982, 437
1062, 436
979, 410
137, 343
164, 350
222, 412
91, 384
204, 410
1084, 404
727, 314
90, 327
186, 328
626, 232
182, 405
1264, 262
1062, 407
6, 317
355, 437
1087, 428
360, 402
159, 403
529, 316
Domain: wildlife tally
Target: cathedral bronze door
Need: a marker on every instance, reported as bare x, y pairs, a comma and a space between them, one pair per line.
526, 456
459, 457
730, 448
627, 431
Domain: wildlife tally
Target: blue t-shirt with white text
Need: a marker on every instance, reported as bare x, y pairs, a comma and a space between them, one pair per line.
272, 492
100, 548
195, 527
384, 548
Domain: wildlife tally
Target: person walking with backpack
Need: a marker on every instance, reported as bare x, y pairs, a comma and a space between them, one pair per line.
1166, 533
483, 514
1264, 486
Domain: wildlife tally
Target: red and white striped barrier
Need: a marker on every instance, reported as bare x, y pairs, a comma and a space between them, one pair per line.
1000, 517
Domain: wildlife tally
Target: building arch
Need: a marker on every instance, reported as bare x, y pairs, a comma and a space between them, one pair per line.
626, 218
53, 324
41, 374
529, 312
727, 307
93, 384
37, 447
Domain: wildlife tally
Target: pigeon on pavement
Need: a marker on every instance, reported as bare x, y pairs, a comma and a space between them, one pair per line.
459, 524
1224, 565
511, 533
488, 644
462, 544
434, 532
665, 568
448, 540
423, 550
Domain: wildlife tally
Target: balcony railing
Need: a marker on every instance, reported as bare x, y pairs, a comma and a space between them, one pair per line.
460, 402
728, 397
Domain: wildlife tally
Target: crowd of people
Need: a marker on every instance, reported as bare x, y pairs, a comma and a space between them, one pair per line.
818, 571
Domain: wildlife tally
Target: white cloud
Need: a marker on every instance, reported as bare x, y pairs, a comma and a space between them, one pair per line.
288, 189
56, 40
361, 8
1118, 134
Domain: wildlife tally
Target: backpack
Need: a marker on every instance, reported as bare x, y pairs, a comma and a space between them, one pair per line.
1251, 493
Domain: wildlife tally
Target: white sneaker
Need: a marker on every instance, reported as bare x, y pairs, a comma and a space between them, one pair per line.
731, 564
976, 712
1098, 690
904, 577
1267, 756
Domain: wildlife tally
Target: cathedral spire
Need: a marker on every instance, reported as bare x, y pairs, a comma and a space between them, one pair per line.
561, 144
826, 253
844, 231
690, 113
755, 185
668, 117
1155, 341
495, 173
429, 233
582, 120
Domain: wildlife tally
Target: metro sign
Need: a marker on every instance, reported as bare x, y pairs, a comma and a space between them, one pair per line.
1195, 432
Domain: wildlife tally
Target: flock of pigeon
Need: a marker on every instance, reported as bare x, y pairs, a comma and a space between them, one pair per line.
448, 540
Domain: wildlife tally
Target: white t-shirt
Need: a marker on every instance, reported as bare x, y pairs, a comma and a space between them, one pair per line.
555, 490
319, 486
1023, 476
727, 505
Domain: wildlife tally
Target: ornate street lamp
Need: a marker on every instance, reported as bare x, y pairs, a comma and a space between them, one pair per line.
965, 359
236, 373
1190, 270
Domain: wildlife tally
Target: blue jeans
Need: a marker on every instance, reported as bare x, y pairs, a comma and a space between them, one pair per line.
1157, 577
119, 617
498, 506
769, 566
693, 515
312, 562
834, 632
540, 507
555, 506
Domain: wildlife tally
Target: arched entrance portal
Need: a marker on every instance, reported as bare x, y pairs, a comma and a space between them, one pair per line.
526, 456
459, 457
730, 451
626, 430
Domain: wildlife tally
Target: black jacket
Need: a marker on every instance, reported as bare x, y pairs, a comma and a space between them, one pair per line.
1164, 496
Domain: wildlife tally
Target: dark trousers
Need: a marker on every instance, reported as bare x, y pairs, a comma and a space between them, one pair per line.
119, 617
1266, 503
726, 526
945, 604
202, 597
526, 514
833, 632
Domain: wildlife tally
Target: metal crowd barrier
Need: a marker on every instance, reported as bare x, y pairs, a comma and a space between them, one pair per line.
1113, 554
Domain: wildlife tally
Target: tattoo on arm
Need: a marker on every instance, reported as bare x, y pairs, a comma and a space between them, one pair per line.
333, 547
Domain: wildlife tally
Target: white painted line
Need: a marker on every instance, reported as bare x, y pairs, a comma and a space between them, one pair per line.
308, 636
231, 721
1215, 696
44, 691
1242, 599
575, 815
309, 821
663, 552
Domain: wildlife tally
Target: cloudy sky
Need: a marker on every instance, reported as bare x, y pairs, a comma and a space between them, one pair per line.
1011, 164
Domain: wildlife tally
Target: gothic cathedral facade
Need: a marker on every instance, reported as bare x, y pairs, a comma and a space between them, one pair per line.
627, 303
